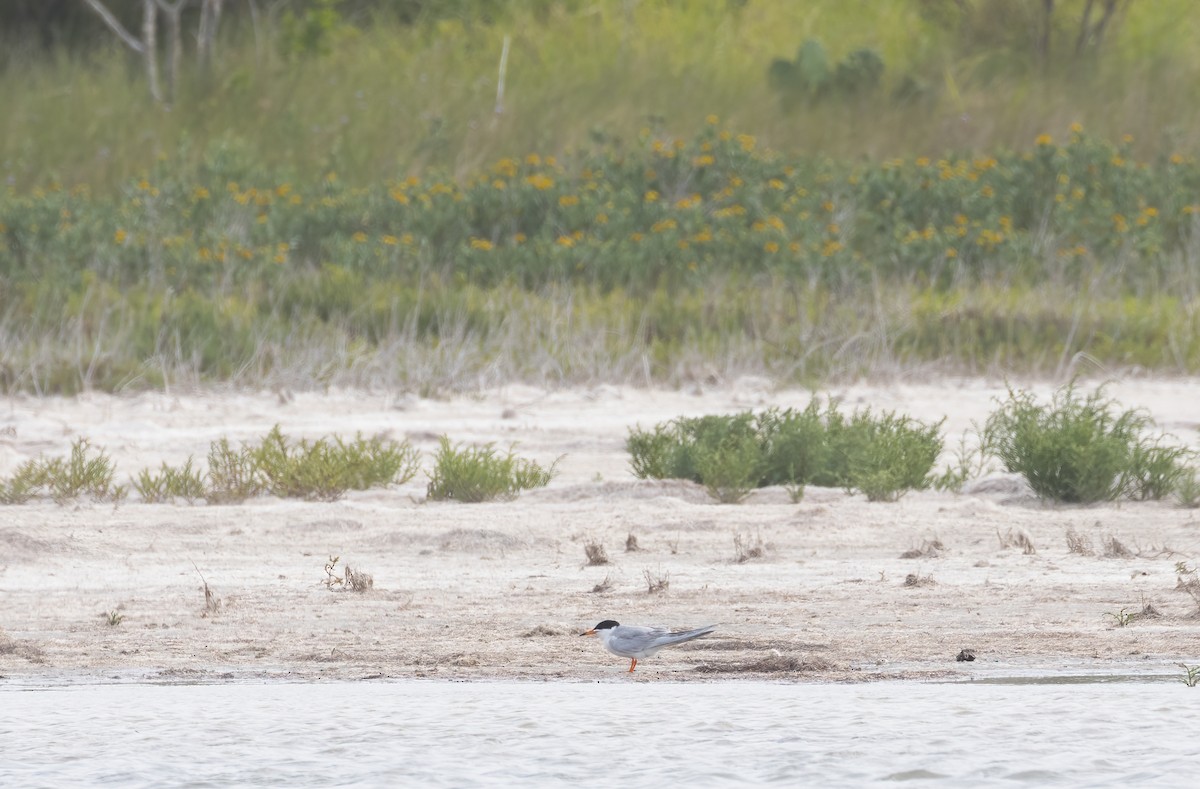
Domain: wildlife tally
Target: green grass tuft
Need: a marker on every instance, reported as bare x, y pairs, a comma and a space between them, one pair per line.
475, 474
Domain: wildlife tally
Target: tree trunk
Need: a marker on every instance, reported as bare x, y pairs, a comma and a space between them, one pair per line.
206, 36
150, 47
1043, 45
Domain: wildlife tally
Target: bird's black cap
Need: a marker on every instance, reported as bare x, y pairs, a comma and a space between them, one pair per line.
607, 624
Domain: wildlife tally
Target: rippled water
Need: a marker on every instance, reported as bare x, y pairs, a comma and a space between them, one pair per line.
621, 734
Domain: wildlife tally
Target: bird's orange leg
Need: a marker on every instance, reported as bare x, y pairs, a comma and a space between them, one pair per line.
632, 664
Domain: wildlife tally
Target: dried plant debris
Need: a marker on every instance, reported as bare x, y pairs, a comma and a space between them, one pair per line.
929, 549
595, 553
965, 656
631, 543
543, 630
603, 586
357, 580
770, 664
914, 580
745, 549
657, 583
1079, 543
1017, 538
1115, 549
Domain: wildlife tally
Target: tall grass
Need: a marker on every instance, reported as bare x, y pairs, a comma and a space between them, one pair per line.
391, 99
642, 210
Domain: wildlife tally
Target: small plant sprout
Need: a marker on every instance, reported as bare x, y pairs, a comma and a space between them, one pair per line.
1121, 618
331, 577
113, 618
1191, 675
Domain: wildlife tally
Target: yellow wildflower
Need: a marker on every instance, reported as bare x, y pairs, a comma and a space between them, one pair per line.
567, 201
481, 244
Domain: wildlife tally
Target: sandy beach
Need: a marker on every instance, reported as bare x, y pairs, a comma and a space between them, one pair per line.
502, 590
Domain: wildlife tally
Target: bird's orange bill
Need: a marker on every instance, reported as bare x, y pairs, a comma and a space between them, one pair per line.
591, 632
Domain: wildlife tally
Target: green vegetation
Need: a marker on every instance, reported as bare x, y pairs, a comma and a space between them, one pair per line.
327, 468
475, 474
321, 471
1082, 448
85, 472
963, 184
170, 483
882, 456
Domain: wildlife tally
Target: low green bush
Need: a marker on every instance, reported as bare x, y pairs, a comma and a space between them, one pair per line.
1082, 448
880, 455
475, 474
325, 469
170, 483
85, 472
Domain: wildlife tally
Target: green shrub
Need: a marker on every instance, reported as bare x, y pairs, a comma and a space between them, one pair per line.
83, 473
882, 456
233, 474
1081, 448
325, 469
475, 474
169, 483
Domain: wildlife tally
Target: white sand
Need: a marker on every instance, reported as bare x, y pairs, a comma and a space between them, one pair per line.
501, 590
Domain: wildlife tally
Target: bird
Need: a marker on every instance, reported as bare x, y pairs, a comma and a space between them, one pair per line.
638, 642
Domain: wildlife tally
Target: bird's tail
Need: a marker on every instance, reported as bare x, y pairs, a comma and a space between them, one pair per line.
688, 635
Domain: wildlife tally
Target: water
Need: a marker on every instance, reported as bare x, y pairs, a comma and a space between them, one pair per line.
1139, 732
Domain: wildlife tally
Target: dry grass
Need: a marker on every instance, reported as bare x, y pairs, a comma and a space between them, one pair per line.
603, 586
596, 554
631, 544
929, 549
655, 583
745, 549
1017, 538
1115, 549
541, 631
1079, 543
915, 580
358, 580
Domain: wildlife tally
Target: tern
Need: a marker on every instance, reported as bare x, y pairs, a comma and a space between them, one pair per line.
636, 642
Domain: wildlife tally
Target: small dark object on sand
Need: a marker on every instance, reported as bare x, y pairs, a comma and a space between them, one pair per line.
965, 655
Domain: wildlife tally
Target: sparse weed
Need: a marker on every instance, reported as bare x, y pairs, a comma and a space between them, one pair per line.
656, 583
1188, 580
595, 553
1017, 538
331, 577
357, 580
745, 548
969, 461
603, 586
1081, 448
113, 618
1079, 543
1187, 489
929, 549
476, 474
1191, 674
1121, 618
916, 580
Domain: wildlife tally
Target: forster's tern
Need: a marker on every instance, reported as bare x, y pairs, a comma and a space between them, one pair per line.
635, 642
